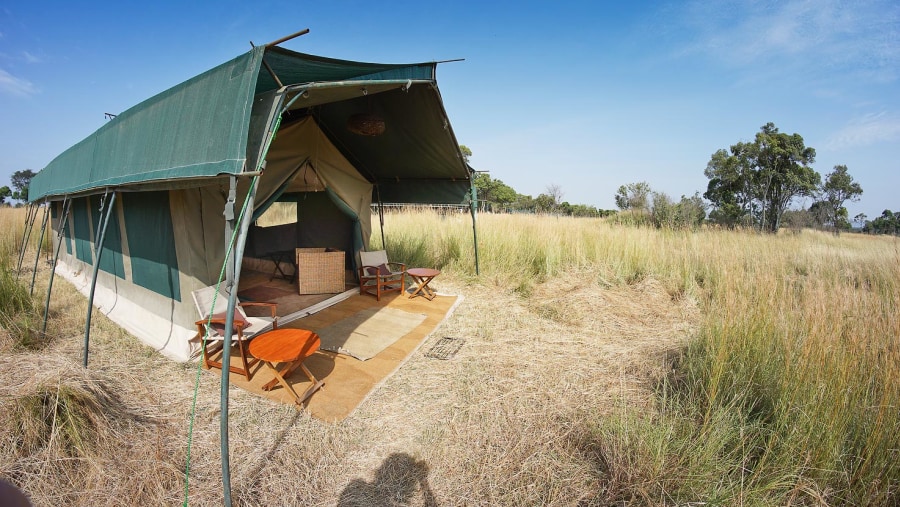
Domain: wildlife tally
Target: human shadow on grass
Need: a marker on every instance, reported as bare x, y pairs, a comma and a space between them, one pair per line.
398, 480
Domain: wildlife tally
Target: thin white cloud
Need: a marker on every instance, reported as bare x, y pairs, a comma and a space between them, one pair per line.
798, 34
30, 58
866, 130
15, 86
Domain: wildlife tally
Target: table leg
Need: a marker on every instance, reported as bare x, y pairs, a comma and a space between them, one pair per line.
422, 287
286, 372
284, 382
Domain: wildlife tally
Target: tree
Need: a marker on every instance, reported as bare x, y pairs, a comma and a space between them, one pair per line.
887, 223
555, 192
759, 180
633, 196
466, 152
838, 188
730, 188
860, 220
688, 213
544, 203
4, 193
493, 193
20, 181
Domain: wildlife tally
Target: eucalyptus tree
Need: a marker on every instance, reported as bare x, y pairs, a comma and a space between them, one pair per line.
757, 181
839, 188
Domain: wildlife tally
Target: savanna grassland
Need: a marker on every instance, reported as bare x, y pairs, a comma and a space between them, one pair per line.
604, 364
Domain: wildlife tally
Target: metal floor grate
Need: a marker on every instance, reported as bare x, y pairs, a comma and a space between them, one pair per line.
445, 348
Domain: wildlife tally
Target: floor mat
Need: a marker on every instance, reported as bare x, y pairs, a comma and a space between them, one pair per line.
349, 381
367, 332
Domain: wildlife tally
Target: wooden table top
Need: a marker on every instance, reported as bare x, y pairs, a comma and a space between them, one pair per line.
423, 272
284, 345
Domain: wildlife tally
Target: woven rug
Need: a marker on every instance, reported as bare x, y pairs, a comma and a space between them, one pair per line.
366, 333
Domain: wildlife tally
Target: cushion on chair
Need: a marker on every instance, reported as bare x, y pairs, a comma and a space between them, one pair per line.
383, 270
238, 319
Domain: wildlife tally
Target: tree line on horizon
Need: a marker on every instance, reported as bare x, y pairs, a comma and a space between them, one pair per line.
751, 185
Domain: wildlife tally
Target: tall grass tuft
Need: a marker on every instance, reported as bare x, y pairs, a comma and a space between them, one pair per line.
790, 393
19, 315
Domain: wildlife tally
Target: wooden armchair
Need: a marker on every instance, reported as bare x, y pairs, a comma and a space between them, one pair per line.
377, 275
245, 327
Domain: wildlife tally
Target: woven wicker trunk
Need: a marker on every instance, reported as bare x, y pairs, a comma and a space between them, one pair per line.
319, 271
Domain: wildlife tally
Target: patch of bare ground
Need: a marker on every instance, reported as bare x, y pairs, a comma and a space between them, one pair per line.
501, 423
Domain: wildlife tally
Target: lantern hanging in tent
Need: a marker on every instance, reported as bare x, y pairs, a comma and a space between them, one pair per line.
366, 124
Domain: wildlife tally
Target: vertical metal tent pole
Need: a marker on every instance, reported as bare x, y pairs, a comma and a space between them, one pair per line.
37, 256
90, 308
63, 223
31, 212
233, 262
472, 206
380, 215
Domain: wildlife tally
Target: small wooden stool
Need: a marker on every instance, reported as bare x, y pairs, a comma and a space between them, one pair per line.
291, 347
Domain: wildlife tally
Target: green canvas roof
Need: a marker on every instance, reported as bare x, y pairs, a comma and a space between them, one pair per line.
207, 127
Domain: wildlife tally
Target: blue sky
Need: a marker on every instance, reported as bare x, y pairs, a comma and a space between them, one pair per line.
583, 95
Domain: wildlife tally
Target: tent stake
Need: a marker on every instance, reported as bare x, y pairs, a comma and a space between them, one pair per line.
63, 223
90, 308
37, 257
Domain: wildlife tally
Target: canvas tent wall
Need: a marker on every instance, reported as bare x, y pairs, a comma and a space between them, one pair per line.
183, 161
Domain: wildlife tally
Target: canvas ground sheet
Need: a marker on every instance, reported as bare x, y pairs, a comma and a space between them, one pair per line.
348, 381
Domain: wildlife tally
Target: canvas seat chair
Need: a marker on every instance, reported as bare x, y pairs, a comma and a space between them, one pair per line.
377, 275
246, 327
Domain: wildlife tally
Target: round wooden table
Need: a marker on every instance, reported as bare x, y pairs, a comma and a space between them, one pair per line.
291, 347
422, 276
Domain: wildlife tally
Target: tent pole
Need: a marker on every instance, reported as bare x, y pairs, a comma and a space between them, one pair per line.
235, 275
238, 251
289, 37
63, 223
380, 216
90, 308
37, 258
472, 206
26, 235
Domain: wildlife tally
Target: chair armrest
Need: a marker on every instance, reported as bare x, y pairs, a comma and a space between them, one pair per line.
272, 306
201, 326
401, 264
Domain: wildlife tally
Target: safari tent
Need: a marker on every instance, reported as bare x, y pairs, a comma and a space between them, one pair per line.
164, 192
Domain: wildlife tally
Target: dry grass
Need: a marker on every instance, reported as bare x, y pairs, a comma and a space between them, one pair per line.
552, 401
